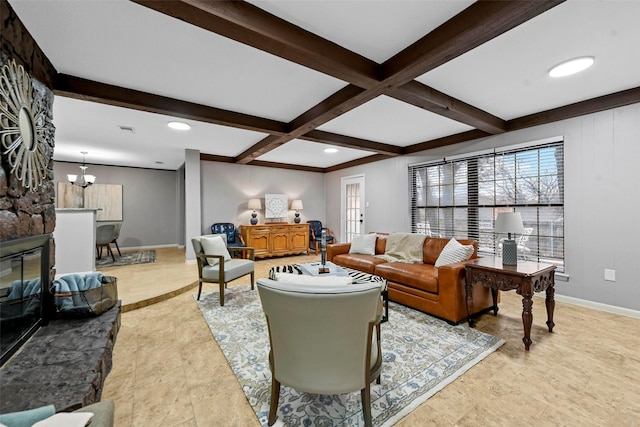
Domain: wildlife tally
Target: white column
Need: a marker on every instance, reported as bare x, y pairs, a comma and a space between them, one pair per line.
192, 202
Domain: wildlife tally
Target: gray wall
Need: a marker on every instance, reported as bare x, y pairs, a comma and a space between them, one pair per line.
602, 175
151, 211
226, 189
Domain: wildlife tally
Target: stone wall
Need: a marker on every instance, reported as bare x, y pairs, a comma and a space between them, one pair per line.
28, 212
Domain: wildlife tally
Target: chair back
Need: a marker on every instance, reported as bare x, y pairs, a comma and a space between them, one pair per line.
321, 335
105, 233
227, 228
116, 231
315, 228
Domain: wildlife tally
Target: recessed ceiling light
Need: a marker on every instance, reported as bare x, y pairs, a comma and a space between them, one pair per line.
330, 150
178, 125
572, 66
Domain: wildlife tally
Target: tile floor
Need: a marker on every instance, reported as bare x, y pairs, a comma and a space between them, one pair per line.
168, 371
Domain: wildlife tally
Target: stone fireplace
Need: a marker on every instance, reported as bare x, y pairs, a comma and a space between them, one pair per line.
25, 300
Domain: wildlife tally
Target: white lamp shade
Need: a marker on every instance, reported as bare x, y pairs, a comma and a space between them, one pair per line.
509, 222
296, 204
71, 177
90, 179
254, 204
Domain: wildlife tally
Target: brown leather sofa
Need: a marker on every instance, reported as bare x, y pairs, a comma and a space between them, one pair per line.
437, 291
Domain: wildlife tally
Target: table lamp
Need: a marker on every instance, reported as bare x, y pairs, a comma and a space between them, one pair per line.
297, 205
509, 222
254, 204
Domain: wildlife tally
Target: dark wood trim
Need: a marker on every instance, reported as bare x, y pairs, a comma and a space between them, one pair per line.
477, 24
88, 90
428, 98
250, 25
589, 106
351, 142
263, 146
17, 43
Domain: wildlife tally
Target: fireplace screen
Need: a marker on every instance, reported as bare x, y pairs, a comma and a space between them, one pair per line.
23, 269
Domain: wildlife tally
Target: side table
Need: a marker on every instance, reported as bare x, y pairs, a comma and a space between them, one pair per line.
526, 278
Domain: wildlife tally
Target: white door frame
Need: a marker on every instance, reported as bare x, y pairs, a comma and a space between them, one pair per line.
344, 182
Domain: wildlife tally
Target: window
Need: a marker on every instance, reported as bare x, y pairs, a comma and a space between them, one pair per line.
461, 198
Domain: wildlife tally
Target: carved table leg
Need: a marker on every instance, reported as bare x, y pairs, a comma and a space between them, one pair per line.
494, 295
469, 293
527, 316
551, 304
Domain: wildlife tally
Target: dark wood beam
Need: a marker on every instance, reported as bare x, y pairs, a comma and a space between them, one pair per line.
287, 166
357, 162
446, 140
216, 158
594, 105
428, 98
351, 142
250, 25
477, 24
88, 90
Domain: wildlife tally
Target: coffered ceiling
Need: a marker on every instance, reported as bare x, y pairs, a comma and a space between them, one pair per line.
273, 83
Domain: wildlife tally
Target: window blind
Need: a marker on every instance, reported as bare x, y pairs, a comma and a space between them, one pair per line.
461, 198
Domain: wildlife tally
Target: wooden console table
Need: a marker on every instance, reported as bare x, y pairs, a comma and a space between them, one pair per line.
526, 278
276, 239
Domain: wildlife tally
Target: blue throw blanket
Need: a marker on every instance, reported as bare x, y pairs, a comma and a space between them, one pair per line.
21, 289
68, 289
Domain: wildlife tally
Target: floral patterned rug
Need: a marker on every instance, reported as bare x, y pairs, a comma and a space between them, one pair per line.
421, 356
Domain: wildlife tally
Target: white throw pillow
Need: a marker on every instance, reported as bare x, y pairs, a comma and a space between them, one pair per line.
214, 246
454, 252
303, 279
363, 244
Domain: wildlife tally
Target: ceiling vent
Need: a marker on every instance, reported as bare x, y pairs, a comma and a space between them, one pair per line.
127, 129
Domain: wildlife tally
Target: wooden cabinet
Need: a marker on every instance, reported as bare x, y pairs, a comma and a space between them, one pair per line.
276, 239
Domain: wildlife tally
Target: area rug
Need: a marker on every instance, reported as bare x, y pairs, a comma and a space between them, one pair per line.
421, 355
127, 258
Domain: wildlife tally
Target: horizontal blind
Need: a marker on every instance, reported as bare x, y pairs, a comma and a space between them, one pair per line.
462, 198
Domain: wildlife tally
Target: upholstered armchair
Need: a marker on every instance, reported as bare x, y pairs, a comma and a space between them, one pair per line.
325, 339
234, 239
215, 264
315, 235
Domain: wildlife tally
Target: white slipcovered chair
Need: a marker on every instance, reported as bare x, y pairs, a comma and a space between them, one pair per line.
325, 339
215, 264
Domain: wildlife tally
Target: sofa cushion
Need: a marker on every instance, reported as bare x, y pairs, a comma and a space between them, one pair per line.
454, 252
364, 244
419, 276
366, 263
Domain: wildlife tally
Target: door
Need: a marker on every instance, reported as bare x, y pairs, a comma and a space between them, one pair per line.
352, 217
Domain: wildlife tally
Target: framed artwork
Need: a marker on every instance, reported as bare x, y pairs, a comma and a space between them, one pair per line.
275, 205
105, 197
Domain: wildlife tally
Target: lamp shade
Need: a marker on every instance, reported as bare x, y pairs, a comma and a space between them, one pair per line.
254, 204
509, 222
296, 204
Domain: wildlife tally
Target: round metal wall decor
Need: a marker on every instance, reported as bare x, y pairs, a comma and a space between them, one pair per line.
22, 121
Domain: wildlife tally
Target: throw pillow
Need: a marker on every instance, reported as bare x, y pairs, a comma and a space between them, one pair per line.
214, 246
303, 279
363, 244
454, 252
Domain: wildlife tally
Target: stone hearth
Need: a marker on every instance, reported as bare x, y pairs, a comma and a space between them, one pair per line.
63, 364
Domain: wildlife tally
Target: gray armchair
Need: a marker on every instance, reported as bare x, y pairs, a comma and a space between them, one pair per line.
105, 235
325, 339
217, 266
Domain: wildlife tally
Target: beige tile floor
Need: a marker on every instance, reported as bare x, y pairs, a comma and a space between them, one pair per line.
168, 371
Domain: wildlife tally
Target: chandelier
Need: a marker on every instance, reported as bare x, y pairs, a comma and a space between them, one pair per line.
85, 180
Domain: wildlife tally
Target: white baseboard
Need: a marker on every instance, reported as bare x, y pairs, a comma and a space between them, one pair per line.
597, 306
